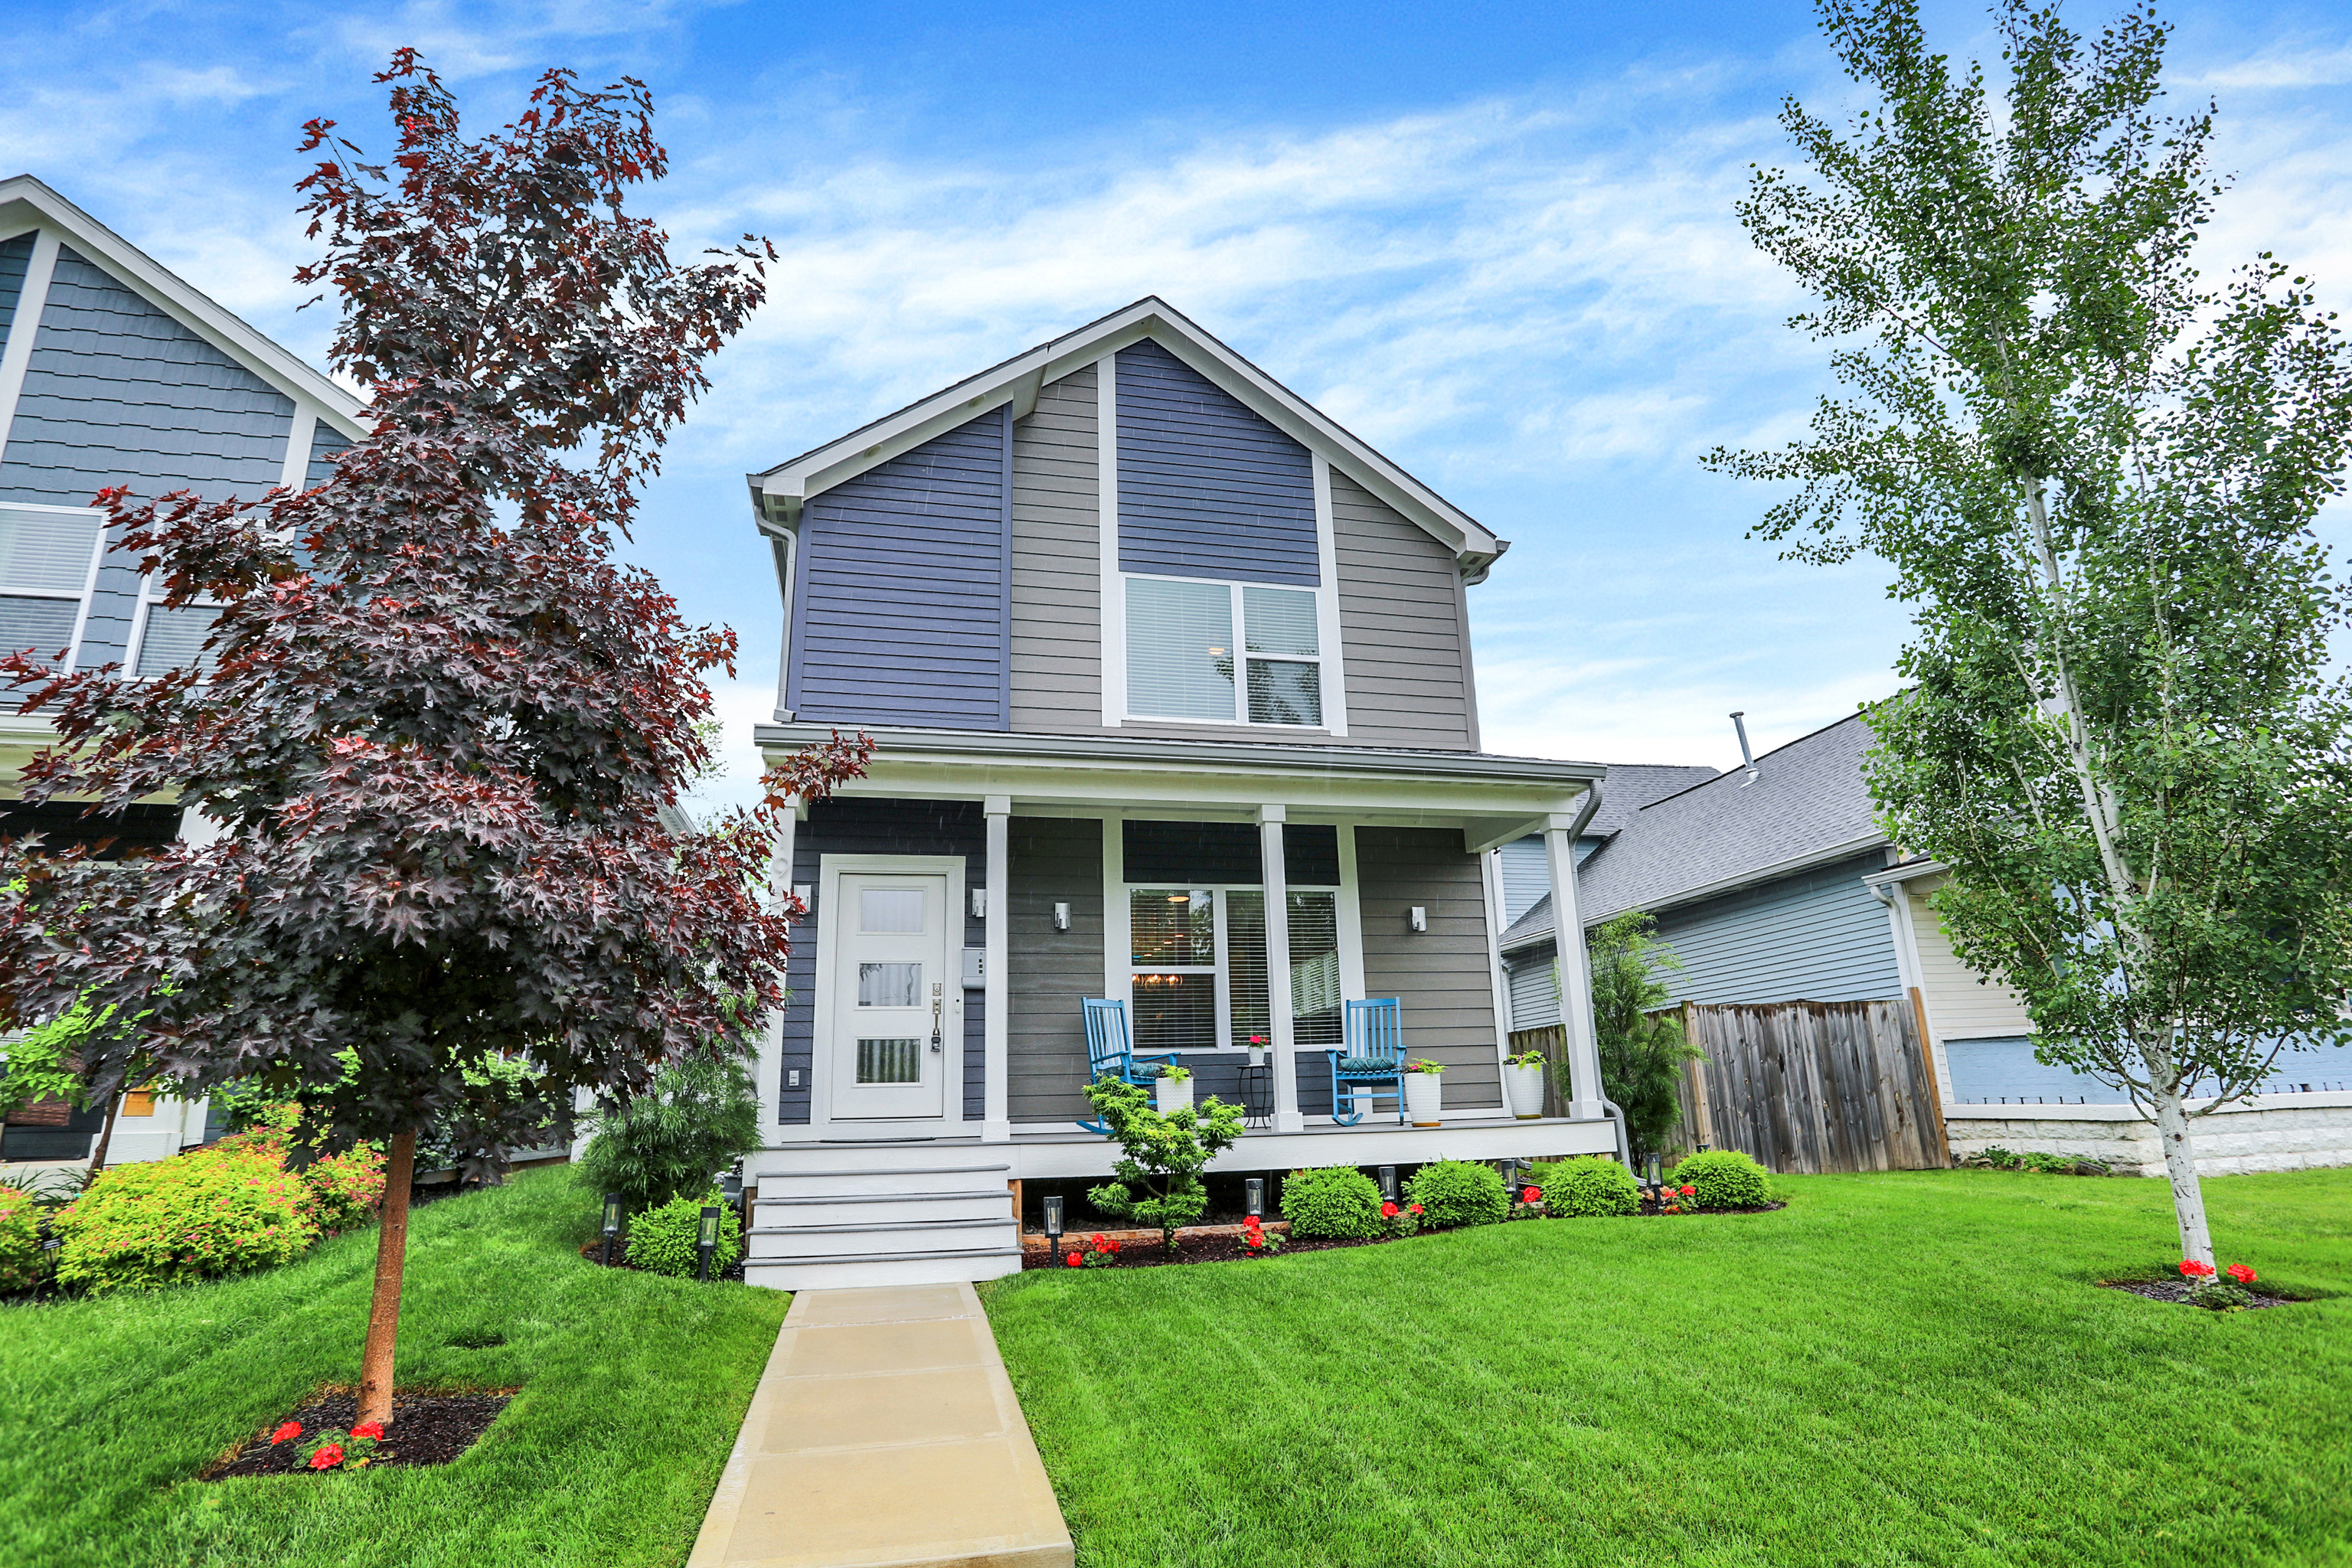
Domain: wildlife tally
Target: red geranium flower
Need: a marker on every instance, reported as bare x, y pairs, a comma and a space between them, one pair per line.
1388, 1211
1416, 1209
2240, 1273
1076, 1258
1529, 1194
287, 1433
368, 1429
1690, 1192
2194, 1269
329, 1456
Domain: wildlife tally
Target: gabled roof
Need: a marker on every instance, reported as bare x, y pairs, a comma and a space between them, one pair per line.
1632, 785
778, 493
1806, 806
26, 203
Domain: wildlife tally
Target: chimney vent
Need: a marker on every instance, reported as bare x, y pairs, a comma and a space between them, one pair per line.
1747, 757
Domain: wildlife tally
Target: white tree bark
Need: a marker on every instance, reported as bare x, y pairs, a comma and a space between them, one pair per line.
2180, 1168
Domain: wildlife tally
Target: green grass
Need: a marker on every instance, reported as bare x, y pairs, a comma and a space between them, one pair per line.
633, 1388
1903, 1368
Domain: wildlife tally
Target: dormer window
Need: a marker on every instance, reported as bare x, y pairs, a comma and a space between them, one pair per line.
47, 560
1181, 658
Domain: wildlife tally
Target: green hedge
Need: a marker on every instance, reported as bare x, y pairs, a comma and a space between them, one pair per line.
1338, 1203
1726, 1179
662, 1240
1457, 1192
166, 1222
1593, 1184
20, 1240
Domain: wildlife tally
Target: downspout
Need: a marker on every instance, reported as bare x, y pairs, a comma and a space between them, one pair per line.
1616, 1114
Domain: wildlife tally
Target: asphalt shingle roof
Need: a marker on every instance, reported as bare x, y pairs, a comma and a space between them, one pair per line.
1808, 797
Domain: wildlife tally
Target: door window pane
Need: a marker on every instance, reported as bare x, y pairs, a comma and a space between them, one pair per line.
889, 985
1175, 1012
176, 638
897, 1060
43, 626
887, 909
1280, 620
51, 552
1172, 927
1180, 649
1283, 693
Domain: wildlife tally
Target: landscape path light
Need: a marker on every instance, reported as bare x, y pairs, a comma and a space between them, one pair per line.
1253, 1190
612, 1223
1388, 1183
1053, 1222
708, 1242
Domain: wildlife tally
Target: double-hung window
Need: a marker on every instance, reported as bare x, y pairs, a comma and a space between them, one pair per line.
1224, 652
47, 560
1199, 957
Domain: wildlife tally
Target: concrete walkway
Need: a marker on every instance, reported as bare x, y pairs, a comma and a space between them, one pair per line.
884, 1434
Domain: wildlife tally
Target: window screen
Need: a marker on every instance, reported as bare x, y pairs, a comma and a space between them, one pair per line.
1180, 649
175, 638
49, 553
43, 626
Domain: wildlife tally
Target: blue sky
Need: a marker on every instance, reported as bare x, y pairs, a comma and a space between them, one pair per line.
1496, 241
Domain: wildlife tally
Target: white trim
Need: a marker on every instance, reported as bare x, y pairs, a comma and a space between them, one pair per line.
1583, 1051
821, 1043
1119, 945
1113, 620
1490, 879
25, 326
1327, 602
996, 992
294, 473
1905, 872
1908, 965
771, 1047
1351, 917
1281, 1027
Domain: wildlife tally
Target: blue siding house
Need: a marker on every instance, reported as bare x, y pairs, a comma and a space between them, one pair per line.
115, 372
1169, 681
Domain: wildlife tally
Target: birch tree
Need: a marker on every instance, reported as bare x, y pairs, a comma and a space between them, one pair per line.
2095, 472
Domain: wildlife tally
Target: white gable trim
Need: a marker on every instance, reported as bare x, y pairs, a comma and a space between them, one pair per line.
27, 203
778, 494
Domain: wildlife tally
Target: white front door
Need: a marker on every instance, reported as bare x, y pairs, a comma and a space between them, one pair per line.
892, 1010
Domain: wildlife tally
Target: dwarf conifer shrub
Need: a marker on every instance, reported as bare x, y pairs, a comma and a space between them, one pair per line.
662, 1240
166, 1222
1338, 1203
1457, 1191
1726, 1179
1593, 1184
20, 1239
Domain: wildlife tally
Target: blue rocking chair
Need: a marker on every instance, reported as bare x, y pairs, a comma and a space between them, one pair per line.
1110, 1051
1369, 1063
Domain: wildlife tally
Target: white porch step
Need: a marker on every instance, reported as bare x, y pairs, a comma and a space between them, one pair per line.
861, 1208
829, 1178
895, 1235
966, 1266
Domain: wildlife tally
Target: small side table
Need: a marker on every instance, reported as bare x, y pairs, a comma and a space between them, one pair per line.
1257, 1095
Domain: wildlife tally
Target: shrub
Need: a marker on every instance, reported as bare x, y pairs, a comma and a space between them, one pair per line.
676, 1138
662, 1240
1457, 1192
1338, 1203
165, 1222
1726, 1179
20, 1239
1157, 1180
1594, 1185
344, 1188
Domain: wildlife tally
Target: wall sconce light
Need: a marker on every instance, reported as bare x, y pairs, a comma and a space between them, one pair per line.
612, 1223
979, 903
1388, 1183
1053, 1222
707, 1242
806, 893
1061, 916
1418, 918
1254, 1187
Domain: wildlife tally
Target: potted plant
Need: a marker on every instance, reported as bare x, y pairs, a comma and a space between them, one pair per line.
1173, 1090
1424, 1092
1257, 1050
1523, 1082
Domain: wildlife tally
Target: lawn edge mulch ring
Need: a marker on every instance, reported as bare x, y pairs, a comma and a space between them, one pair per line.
429, 1426
2176, 1291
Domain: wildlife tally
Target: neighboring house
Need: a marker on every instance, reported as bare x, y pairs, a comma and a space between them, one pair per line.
1773, 884
115, 372
1170, 678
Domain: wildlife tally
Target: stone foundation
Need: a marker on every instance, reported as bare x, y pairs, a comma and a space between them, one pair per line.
2268, 1133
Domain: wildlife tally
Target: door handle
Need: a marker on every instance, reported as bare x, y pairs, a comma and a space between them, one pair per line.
937, 1005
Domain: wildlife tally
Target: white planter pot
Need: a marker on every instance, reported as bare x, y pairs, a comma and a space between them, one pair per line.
1425, 1093
1257, 1056
1169, 1094
1526, 1088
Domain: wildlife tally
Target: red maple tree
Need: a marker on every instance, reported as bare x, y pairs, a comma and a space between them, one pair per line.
437, 722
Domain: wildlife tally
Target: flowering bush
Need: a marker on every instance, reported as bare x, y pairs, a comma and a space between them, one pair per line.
330, 1450
344, 1189
1398, 1222
1677, 1200
165, 1222
1593, 1184
1338, 1203
1256, 1240
1726, 1179
20, 1240
2225, 1292
1098, 1251
1459, 1192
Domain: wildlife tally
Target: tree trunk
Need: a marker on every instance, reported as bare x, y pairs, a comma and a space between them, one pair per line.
383, 1311
105, 1136
2180, 1167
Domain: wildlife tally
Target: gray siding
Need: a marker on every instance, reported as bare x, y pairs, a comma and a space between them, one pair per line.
1207, 487
1817, 936
862, 827
1404, 628
14, 258
1057, 563
119, 392
1442, 976
903, 588
1053, 860
325, 443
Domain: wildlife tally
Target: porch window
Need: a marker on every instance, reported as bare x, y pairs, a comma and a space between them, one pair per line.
1181, 658
44, 567
1200, 967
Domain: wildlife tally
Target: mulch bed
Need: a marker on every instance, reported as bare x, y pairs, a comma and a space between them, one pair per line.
426, 1429
594, 1253
2178, 1290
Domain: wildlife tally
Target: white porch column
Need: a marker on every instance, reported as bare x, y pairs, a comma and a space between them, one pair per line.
771, 1072
996, 1119
1277, 971
1575, 974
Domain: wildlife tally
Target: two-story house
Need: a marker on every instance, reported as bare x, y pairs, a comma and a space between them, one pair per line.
113, 370
1169, 678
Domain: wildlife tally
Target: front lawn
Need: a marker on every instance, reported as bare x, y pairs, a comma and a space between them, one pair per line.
633, 1388
1901, 1368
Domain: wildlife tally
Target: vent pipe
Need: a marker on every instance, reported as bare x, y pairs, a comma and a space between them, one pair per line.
1747, 757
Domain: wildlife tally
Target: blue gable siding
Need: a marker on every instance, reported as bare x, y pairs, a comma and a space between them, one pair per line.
1817, 936
902, 588
1206, 488
14, 258
119, 392
326, 441
868, 827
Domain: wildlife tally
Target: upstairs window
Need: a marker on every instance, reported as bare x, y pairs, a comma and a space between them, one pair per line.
1182, 661
45, 568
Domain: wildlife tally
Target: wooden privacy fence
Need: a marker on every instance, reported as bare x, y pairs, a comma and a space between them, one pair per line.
1808, 1087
